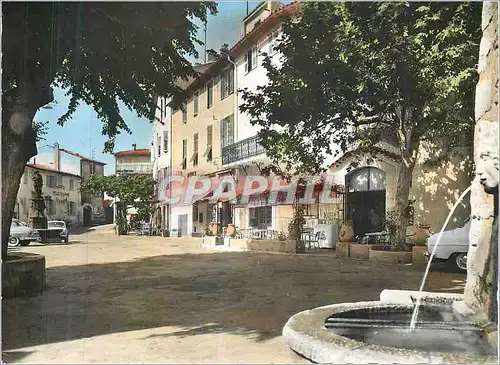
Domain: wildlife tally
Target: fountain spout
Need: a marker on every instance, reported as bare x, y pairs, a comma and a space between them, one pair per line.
419, 296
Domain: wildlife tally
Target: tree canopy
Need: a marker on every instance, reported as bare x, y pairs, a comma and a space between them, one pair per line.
99, 53
353, 74
137, 191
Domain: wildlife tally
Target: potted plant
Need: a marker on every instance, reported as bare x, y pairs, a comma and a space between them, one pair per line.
346, 232
165, 233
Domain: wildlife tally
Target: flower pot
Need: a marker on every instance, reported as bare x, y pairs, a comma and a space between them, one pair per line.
421, 234
346, 233
230, 230
165, 233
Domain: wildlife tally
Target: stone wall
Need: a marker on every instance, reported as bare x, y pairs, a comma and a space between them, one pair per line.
288, 246
479, 291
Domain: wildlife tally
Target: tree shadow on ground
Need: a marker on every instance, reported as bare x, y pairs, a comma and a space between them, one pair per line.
11, 357
248, 293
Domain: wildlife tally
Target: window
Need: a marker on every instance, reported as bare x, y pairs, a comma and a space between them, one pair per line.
251, 59
208, 151
60, 181
165, 141
195, 102
51, 207
273, 42
71, 208
261, 217
194, 158
184, 114
71, 184
51, 181
227, 83
227, 131
210, 94
195, 212
184, 154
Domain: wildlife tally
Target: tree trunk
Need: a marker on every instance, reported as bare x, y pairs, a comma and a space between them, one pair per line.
18, 146
402, 194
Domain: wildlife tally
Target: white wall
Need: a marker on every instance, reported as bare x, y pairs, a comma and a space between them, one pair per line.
250, 80
61, 195
175, 213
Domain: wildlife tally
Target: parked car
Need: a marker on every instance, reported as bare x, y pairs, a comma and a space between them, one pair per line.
21, 234
59, 226
452, 248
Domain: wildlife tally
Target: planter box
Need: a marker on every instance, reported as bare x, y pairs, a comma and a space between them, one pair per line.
288, 246
239, 243
390, 257
342, 249
417, 254
212, 241
359, 251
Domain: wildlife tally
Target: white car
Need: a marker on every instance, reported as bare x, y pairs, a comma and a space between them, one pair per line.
453, 247
61, 227
21, 234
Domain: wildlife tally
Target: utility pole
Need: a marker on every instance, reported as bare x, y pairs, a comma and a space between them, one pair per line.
205, 30
247, 7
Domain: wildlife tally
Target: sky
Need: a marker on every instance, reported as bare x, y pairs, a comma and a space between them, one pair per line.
83, 133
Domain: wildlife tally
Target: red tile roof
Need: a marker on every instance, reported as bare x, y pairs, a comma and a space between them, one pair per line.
76, 154
137, 152
46, 168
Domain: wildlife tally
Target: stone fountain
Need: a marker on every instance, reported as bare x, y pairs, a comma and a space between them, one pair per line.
451, 328
38, 220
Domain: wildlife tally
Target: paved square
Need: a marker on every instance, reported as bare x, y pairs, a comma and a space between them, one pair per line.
148, 299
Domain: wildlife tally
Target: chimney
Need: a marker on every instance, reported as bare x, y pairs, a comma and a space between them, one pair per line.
211, 58
57, 157
134, 146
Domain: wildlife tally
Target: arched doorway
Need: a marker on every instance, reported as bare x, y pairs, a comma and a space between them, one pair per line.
366, 197
87, 215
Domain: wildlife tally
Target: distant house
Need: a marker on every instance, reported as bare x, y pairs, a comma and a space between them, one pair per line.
135, 161
61, 191
92, 204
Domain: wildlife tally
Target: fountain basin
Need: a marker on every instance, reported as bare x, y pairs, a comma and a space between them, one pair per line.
377, 332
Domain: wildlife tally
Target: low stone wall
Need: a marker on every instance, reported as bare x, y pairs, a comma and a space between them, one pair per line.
359, 251
288, 246
391, 257
23, 274
418, 254
370, 252
342, 249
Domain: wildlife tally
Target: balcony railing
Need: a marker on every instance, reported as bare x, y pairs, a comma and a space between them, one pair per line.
241, 150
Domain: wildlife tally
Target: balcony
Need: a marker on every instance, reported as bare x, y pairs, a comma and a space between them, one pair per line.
241, 150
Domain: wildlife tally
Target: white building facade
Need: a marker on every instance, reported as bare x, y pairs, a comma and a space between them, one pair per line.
61, 191
161, 155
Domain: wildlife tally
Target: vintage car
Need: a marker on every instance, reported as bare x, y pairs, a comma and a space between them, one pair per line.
452, 248
21, 234
61, 228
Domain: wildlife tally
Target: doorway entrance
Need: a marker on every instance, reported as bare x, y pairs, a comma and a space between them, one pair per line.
87, 216
182, 226
366, 196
